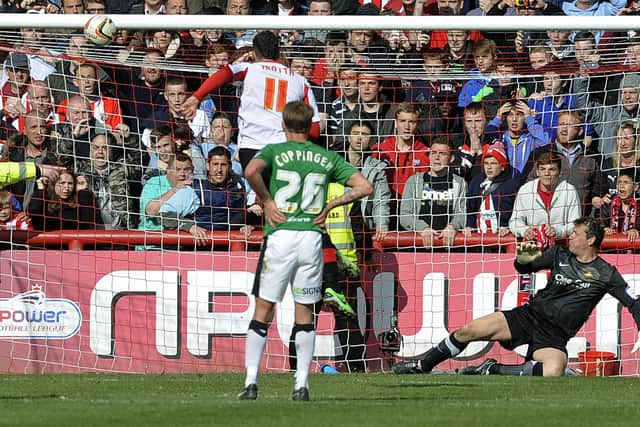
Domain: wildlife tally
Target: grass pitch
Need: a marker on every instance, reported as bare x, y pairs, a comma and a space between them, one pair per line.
336, 400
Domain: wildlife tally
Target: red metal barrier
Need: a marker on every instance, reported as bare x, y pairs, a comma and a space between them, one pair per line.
407, 239
236, 241
78, 240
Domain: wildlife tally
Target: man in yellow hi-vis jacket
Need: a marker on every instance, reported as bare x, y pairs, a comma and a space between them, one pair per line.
341, 277
12, 172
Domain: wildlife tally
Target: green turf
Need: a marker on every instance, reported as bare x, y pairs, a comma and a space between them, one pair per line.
337, 401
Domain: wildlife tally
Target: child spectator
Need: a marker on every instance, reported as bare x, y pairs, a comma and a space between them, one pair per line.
474, 90
621, 215
11, 219
491, 194
626, 155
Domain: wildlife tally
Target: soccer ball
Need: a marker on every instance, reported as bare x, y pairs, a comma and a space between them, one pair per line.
100, 30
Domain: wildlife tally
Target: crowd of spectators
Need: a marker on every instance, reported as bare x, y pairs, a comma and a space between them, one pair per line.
458, 131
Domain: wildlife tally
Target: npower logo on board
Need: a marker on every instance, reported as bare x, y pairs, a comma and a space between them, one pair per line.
32, 315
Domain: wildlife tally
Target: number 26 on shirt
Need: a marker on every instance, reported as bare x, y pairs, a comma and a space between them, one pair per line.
312, 197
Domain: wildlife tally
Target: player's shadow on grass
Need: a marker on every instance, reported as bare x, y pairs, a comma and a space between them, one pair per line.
374, 398
428, 385
31, 397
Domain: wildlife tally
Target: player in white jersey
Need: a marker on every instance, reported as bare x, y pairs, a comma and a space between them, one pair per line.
268, 87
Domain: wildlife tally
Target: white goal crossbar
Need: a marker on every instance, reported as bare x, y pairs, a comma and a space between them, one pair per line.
264, 22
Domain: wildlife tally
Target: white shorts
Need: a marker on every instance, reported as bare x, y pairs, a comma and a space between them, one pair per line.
290, 256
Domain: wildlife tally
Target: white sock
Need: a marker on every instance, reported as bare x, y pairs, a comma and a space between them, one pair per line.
254, 347
305, 343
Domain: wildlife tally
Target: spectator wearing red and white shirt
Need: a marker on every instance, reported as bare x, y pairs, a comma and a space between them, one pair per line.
10, 219
268, 87
491, 194
106, 110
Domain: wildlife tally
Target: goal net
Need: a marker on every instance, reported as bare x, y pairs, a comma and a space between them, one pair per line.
101, 269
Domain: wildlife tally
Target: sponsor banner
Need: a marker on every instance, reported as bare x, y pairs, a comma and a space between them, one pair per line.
63, 311
32, 315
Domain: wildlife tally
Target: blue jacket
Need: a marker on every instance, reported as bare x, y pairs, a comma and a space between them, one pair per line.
599, 8
518, 155
547, 114
472, 88
221, 206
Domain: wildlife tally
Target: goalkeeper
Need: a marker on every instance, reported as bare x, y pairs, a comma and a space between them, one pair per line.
579, 280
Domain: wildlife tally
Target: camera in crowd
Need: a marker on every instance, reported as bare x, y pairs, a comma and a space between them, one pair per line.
284, 37
390, 340
525, 4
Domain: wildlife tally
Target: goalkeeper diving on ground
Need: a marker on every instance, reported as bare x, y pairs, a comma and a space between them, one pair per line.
579, 280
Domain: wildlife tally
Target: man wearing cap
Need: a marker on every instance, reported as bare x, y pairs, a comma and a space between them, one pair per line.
491, 194
16, 68
607, 118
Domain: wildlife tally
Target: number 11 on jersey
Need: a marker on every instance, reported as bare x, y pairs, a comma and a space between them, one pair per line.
275, 94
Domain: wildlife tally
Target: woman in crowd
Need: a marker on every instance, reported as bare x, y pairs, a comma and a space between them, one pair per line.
64, 203
625, 155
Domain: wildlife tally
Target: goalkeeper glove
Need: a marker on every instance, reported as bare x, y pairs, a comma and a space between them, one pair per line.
527, 252
636, 346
